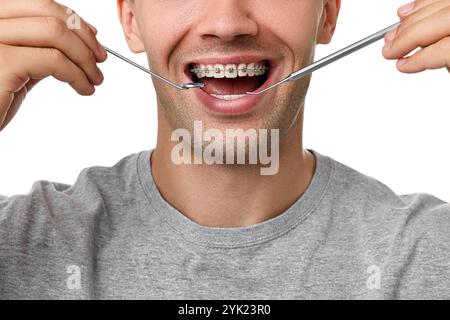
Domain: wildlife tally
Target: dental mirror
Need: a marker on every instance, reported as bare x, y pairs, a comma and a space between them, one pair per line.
291, 77
181, 86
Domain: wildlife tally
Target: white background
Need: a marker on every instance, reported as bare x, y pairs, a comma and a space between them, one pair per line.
360, 111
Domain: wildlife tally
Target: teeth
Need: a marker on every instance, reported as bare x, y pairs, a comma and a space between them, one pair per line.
228, 97
259, 70
242, 70
229, 71
209, 71
201, 73
219, 71
251, 70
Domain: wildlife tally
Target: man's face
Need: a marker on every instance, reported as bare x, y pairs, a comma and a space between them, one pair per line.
179, 35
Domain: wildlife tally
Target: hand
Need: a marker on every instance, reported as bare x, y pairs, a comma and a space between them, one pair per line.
425, 24
36, 42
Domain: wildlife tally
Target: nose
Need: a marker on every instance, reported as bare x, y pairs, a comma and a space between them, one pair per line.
226, 20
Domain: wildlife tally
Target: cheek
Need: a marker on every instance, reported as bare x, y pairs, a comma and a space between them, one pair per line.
293, 22
162, 24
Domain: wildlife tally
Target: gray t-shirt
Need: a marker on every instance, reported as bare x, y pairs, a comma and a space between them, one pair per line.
112, 235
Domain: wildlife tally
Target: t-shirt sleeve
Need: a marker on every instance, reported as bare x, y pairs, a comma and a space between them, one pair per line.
423, 247
30, 224
23, 217
56, 225
28, 220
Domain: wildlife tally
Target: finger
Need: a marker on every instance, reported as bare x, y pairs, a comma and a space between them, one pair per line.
412, 7
94, 29
8, 101
12, 111
428, 58
421, 12
6, 98
39, 63
420, 34
30, 84
50, 32
41, 8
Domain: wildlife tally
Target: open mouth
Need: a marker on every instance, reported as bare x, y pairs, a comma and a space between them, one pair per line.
230, 81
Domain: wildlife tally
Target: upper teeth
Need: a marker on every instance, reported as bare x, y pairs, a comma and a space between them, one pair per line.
229, 70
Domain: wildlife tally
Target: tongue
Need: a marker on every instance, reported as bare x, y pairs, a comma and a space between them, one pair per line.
225, 86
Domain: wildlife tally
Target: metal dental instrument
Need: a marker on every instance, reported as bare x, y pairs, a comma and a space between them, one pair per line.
181, 86
292, 77
330, 59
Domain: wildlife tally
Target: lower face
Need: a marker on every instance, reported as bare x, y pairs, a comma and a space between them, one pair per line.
185, 43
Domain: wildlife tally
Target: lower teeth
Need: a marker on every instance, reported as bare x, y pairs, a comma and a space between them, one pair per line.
228, 97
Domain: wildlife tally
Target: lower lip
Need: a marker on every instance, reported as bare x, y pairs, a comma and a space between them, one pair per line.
235, 107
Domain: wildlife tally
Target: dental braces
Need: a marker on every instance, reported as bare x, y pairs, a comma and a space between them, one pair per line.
206, 70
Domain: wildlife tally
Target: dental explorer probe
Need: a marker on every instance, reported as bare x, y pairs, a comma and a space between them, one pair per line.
330, 59
181, 86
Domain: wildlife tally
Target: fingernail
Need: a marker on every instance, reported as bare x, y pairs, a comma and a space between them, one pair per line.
94, 29
390, 36
402, 61
407, 8
101, 77
387, 46
101, 51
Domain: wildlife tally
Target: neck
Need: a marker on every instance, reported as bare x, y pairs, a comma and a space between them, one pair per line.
233, 196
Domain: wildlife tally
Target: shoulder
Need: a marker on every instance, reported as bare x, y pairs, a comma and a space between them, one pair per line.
428, 215
409, 235
420, 249
384, 216
372, 198
57, 209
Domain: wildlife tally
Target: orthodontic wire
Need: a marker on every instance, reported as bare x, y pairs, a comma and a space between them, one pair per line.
216, 70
